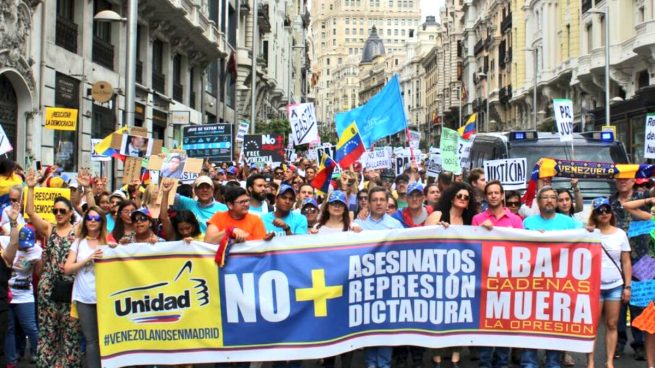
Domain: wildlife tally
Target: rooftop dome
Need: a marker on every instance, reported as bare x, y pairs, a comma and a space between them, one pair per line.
373, 46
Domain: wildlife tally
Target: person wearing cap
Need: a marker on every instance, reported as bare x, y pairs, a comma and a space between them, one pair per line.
241, 225
256, 187
495, 215
310, 209
378, 219
205, 206
615, 274
415, 214
144, 228
22, 307
335, 216
284, 221
232, 172
8, 252
400, 192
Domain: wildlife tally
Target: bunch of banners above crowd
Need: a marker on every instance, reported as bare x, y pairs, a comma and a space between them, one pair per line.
431, 287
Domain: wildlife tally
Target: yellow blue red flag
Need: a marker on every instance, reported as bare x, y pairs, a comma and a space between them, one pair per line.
350, 146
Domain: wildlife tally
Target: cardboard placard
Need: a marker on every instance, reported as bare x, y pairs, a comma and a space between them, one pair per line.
44, 201
132, 170
60, 118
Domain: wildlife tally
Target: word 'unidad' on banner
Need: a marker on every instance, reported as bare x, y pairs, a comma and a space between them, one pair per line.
429, 286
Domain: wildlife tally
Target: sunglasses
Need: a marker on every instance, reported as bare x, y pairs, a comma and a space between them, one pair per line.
14, 200
392, 206
59, 211
463, 197
364, 198
603, 211
513, 204
141, 219
96, 218
309, 210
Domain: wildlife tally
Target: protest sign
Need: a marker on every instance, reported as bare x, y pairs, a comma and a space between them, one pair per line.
564, 118
212, 141
304, 128
414, 139
290, 154
243, 130
265, 149
448, 147
95, 156
649, 142
44, 201
5, 144
327, 149
377, 159
464, 151
461, 286
401, 162
642, 293
434, 166
59, 118
642, 227
511, 172
644, 268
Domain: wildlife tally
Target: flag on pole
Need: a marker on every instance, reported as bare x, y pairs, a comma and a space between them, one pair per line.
383, 115
469, 128
350, 147
322, 180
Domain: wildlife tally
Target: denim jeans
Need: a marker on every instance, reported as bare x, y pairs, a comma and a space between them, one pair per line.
25, 314
378, 357
89, 323
487, 357
530, 358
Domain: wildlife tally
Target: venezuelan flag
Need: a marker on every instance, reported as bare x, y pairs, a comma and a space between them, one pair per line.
104, 146
322, 180
350, 146
469, 128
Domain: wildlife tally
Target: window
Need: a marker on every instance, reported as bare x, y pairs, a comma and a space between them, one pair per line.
590, 37
347, 31
391, 3
211, 85
327, 61
347, 20
66, 95
602, 30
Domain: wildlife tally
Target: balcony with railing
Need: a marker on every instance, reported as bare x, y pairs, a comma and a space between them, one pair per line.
178, 92
103, 53
501, 55
505, 94
263, 20
478, 47
506, 23
159, 82
66, 34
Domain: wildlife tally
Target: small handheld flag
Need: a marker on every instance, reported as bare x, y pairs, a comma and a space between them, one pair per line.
350, 146
322, 180
469, 128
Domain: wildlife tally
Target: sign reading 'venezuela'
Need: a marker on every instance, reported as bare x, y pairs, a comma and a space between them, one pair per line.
212, 141
60, 118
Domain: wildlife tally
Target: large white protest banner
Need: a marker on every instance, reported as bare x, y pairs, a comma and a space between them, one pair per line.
564, 118
302, 118
649, 142
511, 172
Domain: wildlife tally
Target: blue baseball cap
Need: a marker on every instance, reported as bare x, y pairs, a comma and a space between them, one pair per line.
285, 188
142, 211
599, 202
309, 202
26, 237
338, 196
414, 187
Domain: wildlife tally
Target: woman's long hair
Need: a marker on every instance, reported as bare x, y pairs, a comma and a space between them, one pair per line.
188, 217
325, 216
68, 204
119, 226
572, 209
446, 203
83, 231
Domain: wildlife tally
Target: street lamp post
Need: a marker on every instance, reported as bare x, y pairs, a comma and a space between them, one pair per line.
486, 94
130, 72
253, 77
534, 85
606, 14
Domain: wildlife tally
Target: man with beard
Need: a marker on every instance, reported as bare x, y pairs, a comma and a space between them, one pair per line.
256, 187
283, 221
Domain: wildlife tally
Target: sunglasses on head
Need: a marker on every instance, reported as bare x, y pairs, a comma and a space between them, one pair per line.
59, 211
462, 196
96, 218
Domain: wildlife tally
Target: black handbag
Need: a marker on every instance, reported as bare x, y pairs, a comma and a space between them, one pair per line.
62, 291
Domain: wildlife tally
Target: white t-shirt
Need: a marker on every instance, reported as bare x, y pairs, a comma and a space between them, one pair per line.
84, 287
21, 275
614, 244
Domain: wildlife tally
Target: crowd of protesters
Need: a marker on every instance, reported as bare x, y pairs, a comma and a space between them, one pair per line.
246, 202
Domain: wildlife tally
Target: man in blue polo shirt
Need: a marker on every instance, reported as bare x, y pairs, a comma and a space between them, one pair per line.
283, 221
203, 208
377, 219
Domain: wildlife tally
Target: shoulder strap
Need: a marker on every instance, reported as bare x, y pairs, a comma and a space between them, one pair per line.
613, 261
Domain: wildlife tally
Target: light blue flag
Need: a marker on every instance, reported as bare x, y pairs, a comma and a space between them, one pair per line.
382, 116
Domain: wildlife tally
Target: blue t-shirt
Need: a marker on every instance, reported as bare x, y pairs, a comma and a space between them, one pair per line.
110, 223
297, 223
202, 213
559, 222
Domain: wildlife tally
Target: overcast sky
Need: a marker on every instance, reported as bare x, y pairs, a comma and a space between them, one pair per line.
430, 7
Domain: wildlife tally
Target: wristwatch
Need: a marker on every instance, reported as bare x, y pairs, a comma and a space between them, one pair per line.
286, 228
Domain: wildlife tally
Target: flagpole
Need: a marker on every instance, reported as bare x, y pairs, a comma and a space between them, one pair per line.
459, 95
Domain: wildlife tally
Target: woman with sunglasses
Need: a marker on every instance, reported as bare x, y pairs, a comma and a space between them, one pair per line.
310, 210
58, 333
392, 205
457, 206
616, 273
513, 202
362, 204
144, 229
124, 227
334, 216
91, 236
